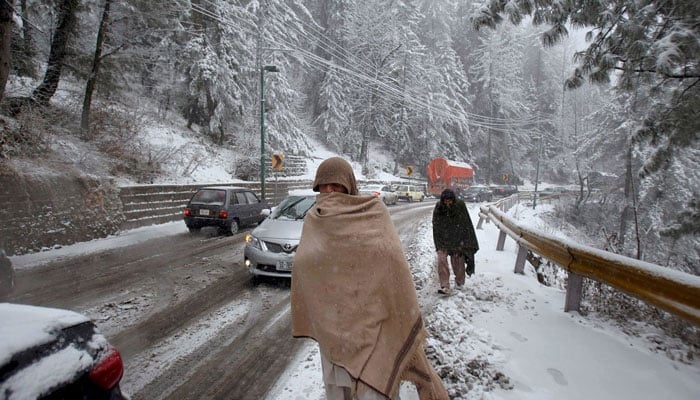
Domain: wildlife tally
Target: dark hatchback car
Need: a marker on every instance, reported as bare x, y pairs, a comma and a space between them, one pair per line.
224, 207
476, 193
48, 353
504, 190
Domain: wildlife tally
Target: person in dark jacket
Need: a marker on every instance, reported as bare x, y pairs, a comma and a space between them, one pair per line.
454, 237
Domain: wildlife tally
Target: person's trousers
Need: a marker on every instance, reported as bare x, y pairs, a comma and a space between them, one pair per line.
338, 384
469, 260
457, 262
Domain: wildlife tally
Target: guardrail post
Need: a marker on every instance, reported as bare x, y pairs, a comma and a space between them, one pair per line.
520, 260
574, 290
478, 224
501, 241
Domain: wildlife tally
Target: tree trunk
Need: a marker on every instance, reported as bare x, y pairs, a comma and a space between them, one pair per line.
66, 24
364, 147
90, 86
5, 42
222, 134
24, 64
627, 210
211, 108
367, 125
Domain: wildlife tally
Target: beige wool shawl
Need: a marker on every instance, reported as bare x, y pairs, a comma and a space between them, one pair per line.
353, 293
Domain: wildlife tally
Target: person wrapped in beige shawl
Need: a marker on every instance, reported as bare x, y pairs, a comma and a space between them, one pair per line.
352, 292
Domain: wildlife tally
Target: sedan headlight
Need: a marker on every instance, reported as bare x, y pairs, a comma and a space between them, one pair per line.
254, 242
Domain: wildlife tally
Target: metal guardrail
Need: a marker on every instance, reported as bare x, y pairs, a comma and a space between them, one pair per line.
671, 290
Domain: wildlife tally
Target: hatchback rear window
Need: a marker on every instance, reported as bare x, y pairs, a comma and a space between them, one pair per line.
209, 196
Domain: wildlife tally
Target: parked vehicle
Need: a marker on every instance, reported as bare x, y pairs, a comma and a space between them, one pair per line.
225, 207
410, 193
504, 190
476, 193
384, 192
270, 247
50, 353
443, 174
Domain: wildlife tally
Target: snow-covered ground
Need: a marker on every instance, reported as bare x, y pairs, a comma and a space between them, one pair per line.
504, 337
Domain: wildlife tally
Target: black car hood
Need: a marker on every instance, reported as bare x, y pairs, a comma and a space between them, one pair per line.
41, 348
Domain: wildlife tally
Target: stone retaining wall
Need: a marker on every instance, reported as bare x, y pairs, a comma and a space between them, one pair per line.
40, 211
157, 204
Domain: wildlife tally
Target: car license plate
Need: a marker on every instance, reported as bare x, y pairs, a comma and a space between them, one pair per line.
284, 265
204, 212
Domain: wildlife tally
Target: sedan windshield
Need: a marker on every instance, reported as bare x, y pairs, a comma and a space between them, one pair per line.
293, 207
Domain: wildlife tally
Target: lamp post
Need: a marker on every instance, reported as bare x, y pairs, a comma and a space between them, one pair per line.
268, 68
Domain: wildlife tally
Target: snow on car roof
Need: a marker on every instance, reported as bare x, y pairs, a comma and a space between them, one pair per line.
53, 369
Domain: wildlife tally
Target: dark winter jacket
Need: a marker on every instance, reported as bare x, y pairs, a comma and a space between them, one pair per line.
452, 228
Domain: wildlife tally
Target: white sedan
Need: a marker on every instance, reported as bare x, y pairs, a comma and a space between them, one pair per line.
383, 192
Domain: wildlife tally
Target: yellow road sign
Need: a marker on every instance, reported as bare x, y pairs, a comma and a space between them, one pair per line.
277, 162
409, 170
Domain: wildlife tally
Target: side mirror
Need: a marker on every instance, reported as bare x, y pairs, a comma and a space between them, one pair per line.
265, 212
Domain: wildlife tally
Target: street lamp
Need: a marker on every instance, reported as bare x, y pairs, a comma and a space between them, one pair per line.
268, 68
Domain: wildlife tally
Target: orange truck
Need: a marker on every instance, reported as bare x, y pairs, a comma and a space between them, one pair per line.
443, 173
